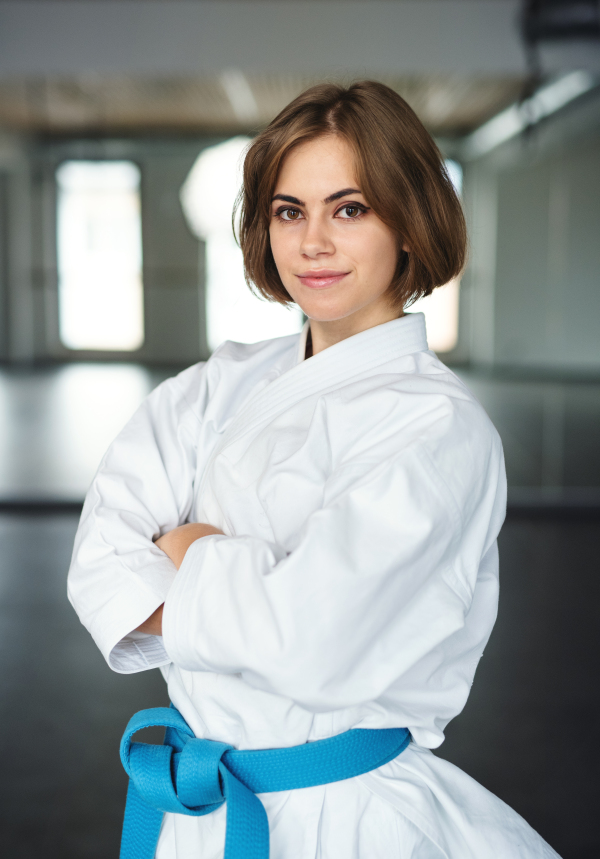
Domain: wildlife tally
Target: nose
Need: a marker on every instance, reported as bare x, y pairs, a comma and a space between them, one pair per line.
316, 238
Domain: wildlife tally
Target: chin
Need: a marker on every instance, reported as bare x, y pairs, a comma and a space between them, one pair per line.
326, 311
327, 317
319, 314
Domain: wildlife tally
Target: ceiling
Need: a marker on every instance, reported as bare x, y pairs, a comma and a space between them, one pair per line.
210, 66
231, 102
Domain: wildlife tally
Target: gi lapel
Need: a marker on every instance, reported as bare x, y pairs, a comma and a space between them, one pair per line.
325, 371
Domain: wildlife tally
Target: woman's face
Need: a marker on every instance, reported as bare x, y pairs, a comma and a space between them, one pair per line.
335, 257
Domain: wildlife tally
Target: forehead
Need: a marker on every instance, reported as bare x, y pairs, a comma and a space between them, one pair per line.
317, 167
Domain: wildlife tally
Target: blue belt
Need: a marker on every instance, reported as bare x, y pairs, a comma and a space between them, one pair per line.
187, 775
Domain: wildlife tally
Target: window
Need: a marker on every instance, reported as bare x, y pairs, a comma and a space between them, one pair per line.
441, 307
99, 239
207, 197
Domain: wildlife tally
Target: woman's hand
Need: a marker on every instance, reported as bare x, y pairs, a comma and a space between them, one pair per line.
153, 625
175, 544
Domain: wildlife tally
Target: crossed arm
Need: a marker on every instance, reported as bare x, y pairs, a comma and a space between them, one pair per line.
175, 544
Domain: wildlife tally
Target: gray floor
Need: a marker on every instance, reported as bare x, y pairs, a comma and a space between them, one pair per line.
62, 710
528, 732
56, 423
549, 430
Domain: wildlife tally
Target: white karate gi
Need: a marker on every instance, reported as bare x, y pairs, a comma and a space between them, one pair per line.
361, 493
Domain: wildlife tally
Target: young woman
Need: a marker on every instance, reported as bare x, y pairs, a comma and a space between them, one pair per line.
301, 533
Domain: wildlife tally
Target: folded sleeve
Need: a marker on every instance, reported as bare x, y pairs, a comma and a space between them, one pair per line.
381, 574
143, 488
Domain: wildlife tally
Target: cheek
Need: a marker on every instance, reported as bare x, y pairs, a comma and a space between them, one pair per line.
273, 243
375, 251
280, 247
387, 245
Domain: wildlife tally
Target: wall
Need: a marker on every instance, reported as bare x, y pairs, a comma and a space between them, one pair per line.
3, 267
531, 298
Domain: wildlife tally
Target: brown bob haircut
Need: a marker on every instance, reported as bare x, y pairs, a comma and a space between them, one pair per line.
400, 172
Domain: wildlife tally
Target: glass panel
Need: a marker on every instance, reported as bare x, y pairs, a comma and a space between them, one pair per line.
207, 197
99, 235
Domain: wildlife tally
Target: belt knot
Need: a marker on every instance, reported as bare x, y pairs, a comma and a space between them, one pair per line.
185, 775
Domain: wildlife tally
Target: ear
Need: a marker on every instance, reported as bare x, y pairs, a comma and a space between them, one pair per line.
406, 248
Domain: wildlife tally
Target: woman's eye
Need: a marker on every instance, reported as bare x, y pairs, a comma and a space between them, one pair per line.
350, 212
290, 214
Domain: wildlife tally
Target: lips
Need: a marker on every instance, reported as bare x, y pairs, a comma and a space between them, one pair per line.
321, 278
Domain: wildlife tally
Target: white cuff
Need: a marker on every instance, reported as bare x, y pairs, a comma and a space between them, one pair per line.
113, 629
176, 635
138, 651
217, 581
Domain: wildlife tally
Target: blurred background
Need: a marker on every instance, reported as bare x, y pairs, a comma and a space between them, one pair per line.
122, 125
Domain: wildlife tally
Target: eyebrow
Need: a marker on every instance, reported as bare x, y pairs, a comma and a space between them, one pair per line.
296, 202
343, 193
287, 199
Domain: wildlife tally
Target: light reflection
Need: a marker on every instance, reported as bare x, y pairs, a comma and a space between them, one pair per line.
56, 425
516, 118
441, 316
100, 255
207, 197
441, 307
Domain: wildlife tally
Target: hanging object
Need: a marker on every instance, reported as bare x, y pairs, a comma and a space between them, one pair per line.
553, 20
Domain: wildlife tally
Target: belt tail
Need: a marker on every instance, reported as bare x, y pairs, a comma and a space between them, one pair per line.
247, 834
141, 827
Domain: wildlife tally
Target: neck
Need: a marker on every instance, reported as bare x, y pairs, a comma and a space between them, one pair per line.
325, 334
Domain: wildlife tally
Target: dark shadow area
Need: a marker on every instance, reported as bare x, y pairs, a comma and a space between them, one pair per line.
62, 791
527, 732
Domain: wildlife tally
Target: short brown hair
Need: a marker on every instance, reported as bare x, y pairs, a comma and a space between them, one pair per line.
401, 175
